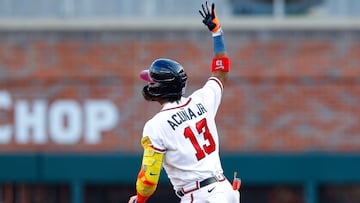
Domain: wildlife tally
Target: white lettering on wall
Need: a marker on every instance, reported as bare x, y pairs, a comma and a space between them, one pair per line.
63, 122
30, 122
101, 115
5, 129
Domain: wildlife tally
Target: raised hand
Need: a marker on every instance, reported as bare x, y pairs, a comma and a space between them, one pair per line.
209, 17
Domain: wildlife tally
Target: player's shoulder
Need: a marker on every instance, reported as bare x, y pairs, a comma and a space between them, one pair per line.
212, 85
156, 120
214, 81
153, 120
151, 126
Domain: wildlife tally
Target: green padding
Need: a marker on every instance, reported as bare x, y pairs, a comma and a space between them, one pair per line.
251, 168
18, 167
91, 168
294, 168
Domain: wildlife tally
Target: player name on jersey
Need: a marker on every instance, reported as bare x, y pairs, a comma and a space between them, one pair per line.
185, 114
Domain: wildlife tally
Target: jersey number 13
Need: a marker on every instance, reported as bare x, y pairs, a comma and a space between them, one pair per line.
201, 128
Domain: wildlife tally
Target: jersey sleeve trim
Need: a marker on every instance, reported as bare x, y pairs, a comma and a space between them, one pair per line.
218, 82
158, 149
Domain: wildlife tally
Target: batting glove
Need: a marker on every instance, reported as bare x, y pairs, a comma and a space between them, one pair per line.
209, 18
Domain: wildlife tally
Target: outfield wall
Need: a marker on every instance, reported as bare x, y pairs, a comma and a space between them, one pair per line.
289, 90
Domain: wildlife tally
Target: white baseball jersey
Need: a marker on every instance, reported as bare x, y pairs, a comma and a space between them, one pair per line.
186, 132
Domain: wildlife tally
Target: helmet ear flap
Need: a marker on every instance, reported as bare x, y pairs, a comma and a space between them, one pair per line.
146, 94
154, 91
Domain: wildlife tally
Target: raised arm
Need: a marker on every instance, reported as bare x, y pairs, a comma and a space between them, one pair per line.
221, 61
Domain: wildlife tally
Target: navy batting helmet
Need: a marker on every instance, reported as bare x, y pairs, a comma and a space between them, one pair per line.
166, 80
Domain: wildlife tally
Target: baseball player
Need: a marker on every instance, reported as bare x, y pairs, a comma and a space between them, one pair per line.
182, 138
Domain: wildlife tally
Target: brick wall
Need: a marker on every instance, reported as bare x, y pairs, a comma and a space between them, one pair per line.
288, 90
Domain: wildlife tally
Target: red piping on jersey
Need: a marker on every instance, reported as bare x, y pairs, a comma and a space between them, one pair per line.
157, 149
217, 81
192, 198
178, 106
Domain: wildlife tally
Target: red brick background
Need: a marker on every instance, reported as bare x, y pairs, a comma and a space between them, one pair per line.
289, 91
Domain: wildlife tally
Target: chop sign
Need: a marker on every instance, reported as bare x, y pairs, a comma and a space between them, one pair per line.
63, 121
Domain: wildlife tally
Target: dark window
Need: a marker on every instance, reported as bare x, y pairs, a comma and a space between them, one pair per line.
34, 193
118, 193
265, 7
349, 193
272, 194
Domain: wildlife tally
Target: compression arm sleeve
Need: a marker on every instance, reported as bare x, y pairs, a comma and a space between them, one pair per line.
149, 174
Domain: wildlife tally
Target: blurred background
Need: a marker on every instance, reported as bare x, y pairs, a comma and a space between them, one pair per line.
71, 111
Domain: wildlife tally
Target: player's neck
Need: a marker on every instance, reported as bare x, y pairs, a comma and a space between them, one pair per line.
165, 101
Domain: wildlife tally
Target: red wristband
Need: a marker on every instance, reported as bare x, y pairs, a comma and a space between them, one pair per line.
221, 64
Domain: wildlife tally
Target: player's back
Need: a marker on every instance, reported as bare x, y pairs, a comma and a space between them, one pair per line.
186, 130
